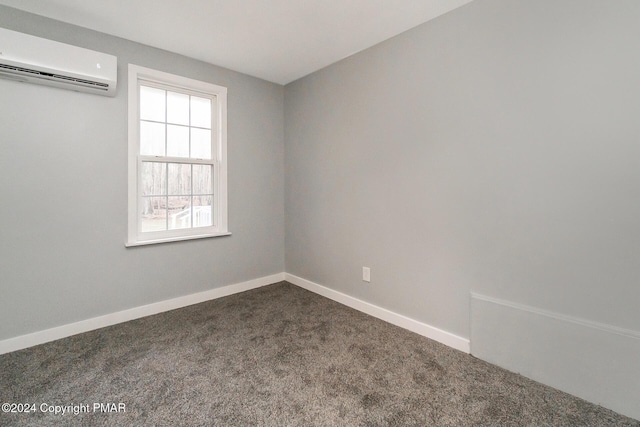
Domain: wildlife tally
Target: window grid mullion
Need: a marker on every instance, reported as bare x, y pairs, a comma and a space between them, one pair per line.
166, 151
176, 124
183, 160
191, 189
166, 196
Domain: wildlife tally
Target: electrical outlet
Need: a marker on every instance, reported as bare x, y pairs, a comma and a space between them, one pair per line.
366, 274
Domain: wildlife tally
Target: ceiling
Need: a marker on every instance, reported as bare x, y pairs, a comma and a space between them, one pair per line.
276, 40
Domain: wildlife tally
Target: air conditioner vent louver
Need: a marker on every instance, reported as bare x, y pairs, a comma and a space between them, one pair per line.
43, 75
86, 82
32, 59
22, 70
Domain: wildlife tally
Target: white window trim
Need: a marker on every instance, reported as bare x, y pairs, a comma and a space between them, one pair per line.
220, 227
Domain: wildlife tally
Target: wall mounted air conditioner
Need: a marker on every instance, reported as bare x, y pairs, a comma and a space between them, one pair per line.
32, 59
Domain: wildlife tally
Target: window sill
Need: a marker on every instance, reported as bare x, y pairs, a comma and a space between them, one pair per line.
174, 239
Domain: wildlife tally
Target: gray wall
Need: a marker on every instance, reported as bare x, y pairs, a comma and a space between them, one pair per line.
63, 187
495, 149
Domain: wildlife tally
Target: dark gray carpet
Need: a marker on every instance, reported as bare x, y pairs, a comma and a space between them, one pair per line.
277, 355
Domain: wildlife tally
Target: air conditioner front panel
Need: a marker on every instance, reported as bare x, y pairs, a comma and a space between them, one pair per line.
45, 61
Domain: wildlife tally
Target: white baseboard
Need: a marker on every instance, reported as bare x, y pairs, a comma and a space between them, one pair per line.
404, 322
592, 360
47, 335
41, 337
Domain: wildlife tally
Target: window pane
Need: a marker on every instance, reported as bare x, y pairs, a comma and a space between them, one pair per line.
152, 139
154, 178
202, 182
201, 112
152, 104
154, 214
202, 211
177, 141
179, 212
179, 179
177, 108
200, 143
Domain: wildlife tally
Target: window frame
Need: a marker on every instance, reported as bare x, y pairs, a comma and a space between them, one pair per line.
138, 75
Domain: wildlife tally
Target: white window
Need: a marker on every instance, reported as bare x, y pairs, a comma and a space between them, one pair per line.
177, 158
